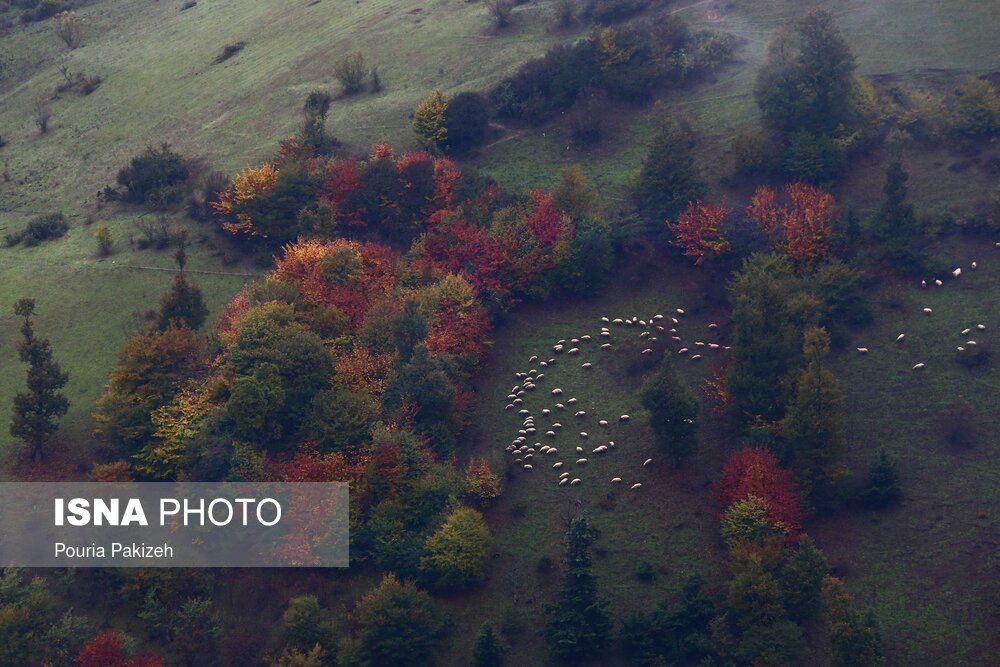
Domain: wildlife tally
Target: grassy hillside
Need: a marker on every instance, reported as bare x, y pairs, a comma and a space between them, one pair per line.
160, 85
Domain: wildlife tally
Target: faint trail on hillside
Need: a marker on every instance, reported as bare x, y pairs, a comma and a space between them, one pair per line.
111, 266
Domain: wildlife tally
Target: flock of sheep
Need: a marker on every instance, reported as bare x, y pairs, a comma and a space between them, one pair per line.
966, 332
529, 455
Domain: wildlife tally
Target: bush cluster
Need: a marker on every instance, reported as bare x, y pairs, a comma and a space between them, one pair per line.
39, 230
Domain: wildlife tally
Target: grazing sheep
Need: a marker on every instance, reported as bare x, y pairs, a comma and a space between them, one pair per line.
600, 450
981, 327
970, 343
605, 320
563, 481
928, 311
563, 474
557, 465
699, 343
616, 480
919, 367
679, 311
583, 434
611, 444
660, 328
571, 401
966, 332
580, 413
575, 482
695, 357
585, 339
518, 401
557, 348
657, 317
508, 407
900, 337
624, 418
637, 485
960, 349
556, 426
581, 462
605, 334
561, 341
676, 339
674, 320
524, 412
531, 431
974, 266
550, 434
683, 350
540, 376
528, 467
551, 361
574, 341
618, 320
647, 351
587, 366
606, 346
923, 283
560, 406
533, 359
713, 346
552, 450
938, 282
646, 462
603, 422
557, 391
579, 450
863, 350
543, 364
546, 412
522, 432
509, 448
956, 272
644, 334
575, 350
713, 326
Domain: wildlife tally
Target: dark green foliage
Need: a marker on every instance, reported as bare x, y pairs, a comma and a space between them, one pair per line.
856, 641
806, 82
814, 423
45, 9
579, 625
254, 404
423, 381
408, 330
26, 609
814, 158
675, 633
673, 413
978, 109
183, 305
196, 629
155, 178
36, 411
801, 579
228, 51
777, 643
41, 229
342, 419
315, 111
769, 310
884, 488
489, 650
306, 624
903, 240
275, 213
466, 119
669, 179
587, 269
399, 625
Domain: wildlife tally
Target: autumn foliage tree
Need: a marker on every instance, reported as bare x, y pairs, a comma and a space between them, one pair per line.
696, 231
802, 226
752, 471
107, 650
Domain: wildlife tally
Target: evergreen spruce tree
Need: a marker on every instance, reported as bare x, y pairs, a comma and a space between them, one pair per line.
883, 489
669, 179
579, 624
673, 413
36, 410
489, 650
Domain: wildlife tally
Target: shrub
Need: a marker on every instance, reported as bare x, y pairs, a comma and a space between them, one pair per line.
350, 71
155, 177
39, 230
883, 488
42, 112
466, 119
228, 51
45, 9
105, 243
67, 28
376, 80
564, 12
189, 4
977, 109
155, 232
501, 12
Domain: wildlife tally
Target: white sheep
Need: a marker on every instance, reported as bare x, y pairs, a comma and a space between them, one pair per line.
543, 364
606, 346
585, 339
676, 339
581, 462
556, 426
605, 319
679, 311
575, 482
683, 350
645, 334
919, 367
937, 281
618, 320
637, 485
923, 283
981, 327
616, 480
863, 350
713, 346
533, 359
960, 349
966, 332
970, 343
928, 311
674, 320
563, 474
579, 450
600, 450
974, 266
508, 407
647, 351
550, 434
900, 337
563, 481
611, 444
713, 326
571, 401
528, 467
646, 462
552, 450
574, 341
605, 334
546, 411
624, 418
557, 465
560, 406
603, 422
557, 348
575, 350
583, 434
956, 272
540, 376
580, 413
587, 366
695, 357
557, 392
524, 412
699, 343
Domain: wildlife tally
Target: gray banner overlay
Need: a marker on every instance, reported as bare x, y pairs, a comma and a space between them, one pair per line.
163, 524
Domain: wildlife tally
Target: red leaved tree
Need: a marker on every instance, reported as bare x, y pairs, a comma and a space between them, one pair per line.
697, 230
805, 221
105, 650
755, 471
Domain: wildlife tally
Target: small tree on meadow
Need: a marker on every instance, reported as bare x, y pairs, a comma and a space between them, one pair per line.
884, 488
41, 113
315, 110
105, 242
67, 28
36, 410
501, 13
429, 120
673, 413
351, 72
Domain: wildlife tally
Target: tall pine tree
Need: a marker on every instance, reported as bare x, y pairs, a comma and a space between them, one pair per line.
579, 624
36, 410
489, 650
